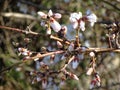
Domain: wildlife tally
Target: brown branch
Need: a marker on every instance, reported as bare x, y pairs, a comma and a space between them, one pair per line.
31, 58
19, 30
18, 15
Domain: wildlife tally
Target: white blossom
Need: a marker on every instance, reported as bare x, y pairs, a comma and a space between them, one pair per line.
92, 18
75, 16
82, 25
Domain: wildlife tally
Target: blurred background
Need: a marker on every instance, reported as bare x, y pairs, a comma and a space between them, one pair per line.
23, 13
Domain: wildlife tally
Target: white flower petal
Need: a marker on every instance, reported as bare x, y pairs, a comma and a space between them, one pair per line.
92, 18
42, 14
57, 15
55, 25
48, 31
50, 13
75, 25
82, 25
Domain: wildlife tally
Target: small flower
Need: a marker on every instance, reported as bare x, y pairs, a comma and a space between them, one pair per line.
92, 18
74, 17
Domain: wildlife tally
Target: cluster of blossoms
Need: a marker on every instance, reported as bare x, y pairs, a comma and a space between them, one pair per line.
70, 53
78, 21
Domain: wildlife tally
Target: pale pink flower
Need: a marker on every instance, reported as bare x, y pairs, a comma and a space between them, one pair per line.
92, 18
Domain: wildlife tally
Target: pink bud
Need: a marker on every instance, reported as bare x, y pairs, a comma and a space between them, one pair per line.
89, 72
57, 15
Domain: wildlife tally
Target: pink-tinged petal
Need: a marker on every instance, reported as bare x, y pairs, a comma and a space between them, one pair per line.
89, 71
75, 25
82, 25
50, 13
42, 14
72, 20
57, 15
55, 25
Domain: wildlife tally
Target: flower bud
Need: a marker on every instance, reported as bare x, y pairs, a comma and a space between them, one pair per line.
92, 54
57, 15
50, 13
89, 71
